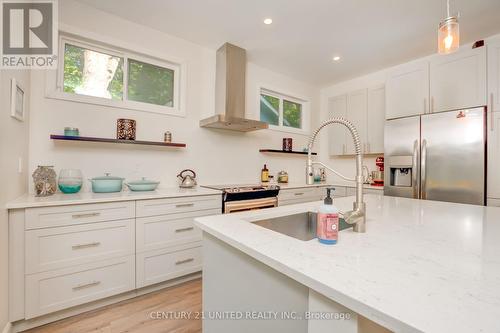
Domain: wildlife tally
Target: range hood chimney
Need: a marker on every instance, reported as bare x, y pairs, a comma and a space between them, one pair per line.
230, 92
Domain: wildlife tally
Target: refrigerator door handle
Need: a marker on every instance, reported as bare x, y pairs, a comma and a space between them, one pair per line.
415, 170
423, 166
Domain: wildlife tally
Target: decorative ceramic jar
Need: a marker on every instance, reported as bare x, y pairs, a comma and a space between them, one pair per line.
167, 137
287, 144
283, 177
70, 180
125, 129
44, 178
71, 131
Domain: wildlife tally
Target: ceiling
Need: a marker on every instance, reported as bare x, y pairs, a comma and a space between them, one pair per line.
368, 35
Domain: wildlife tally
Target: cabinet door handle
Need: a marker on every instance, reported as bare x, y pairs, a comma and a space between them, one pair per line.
185, 261
84, 215
82, 246
184, 229
343, 149
425, 105
86, 285
368, 146
184, 205
492, 118
299, 193
432, 105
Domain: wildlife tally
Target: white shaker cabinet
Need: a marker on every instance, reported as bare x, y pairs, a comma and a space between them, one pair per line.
356, 114
458, 80
337, 107
407, 90
494, 76
375, 120
493, 185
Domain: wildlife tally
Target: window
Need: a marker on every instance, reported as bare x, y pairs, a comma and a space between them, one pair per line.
95, 74
282, 112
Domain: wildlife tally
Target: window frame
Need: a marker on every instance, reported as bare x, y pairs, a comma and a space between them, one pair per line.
58, 93
305, 116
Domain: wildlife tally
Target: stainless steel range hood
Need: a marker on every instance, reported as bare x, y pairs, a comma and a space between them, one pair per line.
230, 92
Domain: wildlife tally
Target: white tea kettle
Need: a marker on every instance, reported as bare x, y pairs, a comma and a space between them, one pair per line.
187, 178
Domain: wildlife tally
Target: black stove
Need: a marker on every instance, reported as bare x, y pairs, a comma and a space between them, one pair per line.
240, 193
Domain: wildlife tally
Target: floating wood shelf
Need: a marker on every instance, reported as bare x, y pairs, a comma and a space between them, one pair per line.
132, 142
285, 152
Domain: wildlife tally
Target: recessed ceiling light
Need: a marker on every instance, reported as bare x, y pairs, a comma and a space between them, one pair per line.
336, 58
268, 21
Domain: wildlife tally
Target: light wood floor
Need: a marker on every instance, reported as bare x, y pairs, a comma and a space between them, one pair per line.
134, 315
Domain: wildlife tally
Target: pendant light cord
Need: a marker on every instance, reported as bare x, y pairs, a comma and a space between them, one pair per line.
448, 7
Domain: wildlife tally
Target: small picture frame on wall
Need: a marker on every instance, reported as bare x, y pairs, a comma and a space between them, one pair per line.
17, 100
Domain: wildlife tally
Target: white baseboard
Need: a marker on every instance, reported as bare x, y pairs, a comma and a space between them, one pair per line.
7, 328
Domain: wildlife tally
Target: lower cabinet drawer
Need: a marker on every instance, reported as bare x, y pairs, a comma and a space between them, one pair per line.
155, 207
159, 232
299, 193
56, 290
55, 248
162, 265
49, 217
298, 201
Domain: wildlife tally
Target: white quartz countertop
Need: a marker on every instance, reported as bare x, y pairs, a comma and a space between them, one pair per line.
422, 266
60, 199
344, 184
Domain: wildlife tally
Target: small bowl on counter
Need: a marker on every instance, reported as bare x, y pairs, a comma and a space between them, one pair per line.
107, 184
142, 185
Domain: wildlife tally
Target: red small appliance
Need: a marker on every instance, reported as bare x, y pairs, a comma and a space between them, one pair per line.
378, 176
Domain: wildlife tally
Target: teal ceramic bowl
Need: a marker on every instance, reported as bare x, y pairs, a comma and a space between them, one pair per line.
142, 185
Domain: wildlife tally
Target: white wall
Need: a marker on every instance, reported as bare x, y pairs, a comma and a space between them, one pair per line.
13, 145
217, 156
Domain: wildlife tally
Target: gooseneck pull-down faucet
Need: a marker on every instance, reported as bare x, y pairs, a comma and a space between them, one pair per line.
356, 216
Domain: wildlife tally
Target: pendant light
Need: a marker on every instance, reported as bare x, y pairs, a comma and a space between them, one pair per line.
448, 33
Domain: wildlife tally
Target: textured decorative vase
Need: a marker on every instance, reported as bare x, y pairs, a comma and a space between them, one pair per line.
44, 178
125, 129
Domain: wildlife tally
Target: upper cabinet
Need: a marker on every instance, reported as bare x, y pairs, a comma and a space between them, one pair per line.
445, 82
356, 114
494, 76
375, 120
407, 90
365, 109
458, 80
337, 108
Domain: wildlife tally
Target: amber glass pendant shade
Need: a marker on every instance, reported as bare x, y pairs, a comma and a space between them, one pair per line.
448, 36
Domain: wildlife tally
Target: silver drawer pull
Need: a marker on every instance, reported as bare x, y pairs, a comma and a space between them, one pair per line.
299, 193
82, 246
184, 229
81, 216
86, 285
180, 262
184, 205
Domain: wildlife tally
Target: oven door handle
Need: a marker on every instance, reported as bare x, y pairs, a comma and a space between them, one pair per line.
242, 205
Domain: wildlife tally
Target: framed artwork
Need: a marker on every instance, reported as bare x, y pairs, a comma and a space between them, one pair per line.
17, 100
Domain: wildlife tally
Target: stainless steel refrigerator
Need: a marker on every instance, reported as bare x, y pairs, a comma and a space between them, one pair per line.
438, 156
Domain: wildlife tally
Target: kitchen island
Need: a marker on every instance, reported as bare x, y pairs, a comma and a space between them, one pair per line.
422, 266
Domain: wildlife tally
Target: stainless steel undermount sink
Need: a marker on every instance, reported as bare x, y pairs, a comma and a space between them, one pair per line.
301, 226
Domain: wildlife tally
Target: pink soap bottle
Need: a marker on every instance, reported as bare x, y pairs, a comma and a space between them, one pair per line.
328, 221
